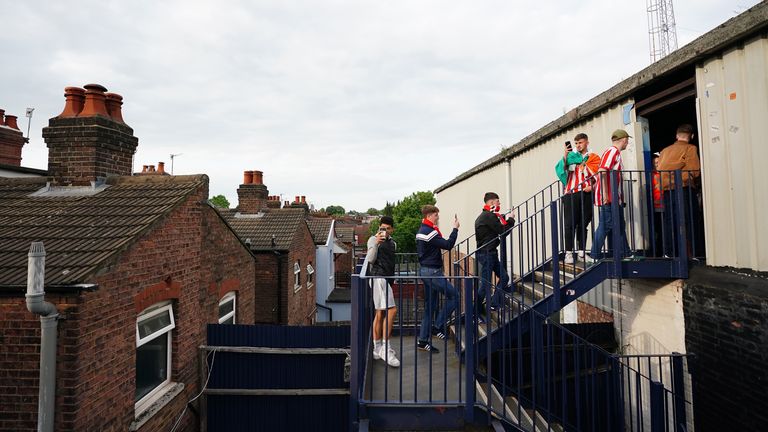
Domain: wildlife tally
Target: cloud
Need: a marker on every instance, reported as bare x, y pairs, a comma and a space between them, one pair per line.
347, 102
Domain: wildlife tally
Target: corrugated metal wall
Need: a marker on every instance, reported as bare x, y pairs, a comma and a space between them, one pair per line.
277, 371
534, 169
733, 111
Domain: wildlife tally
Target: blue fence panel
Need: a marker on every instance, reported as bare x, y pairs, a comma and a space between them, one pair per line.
230, 370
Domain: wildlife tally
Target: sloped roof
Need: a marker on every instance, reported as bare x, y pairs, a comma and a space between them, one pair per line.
80, 231
320, 228
345, 233
258, 230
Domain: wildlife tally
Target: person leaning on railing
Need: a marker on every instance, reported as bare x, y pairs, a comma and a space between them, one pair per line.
680, 155
489, 225
381, 258
429, 242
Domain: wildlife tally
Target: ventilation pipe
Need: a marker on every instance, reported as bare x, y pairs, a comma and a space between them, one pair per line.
48, 322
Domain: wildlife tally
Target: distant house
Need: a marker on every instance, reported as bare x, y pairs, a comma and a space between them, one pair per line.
136, 267
11, 143
284, 250
328, 250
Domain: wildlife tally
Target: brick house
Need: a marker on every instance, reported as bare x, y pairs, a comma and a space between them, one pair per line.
136, 266
11, 143
284, 251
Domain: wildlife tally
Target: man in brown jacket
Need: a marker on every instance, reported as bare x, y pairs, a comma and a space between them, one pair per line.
681, 155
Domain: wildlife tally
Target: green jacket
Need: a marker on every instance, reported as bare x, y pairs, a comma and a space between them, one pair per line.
574, 158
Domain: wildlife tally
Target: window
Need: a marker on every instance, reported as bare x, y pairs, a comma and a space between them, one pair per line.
296, 276
153, 353
227, 308
310, 275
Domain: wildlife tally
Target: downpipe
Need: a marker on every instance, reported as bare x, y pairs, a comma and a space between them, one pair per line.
49, 319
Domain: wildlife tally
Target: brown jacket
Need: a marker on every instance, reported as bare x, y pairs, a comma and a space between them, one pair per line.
679, 156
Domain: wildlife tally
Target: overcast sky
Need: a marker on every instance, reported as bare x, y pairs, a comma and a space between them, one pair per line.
347, 102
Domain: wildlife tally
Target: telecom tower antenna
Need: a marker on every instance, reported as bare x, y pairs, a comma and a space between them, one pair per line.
662, 33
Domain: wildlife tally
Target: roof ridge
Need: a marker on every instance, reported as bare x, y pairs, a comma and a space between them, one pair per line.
157, 179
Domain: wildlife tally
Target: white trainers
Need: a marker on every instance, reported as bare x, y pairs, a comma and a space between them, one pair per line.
568, 257
581, 254
377, 352
389, 356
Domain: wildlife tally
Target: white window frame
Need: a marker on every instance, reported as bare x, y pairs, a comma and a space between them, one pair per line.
296, 276
310, 275
230, 296
154, 310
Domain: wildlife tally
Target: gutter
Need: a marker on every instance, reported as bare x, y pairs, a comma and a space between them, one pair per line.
49, 317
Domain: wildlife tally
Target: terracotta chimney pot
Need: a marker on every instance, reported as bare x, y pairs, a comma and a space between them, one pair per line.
303, 199
152, 168
2, 113
286, 204
10, 121
258, 177
74, 101
161, 167
114, 102
95, 101
247, 177
144, 168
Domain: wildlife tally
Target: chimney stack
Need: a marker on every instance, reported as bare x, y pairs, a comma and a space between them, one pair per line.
11, 140
85, 143
300, 202
273, 202
252, 194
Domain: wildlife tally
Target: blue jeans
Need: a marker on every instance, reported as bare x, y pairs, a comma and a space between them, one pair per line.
432, 288
489, 264
605, 230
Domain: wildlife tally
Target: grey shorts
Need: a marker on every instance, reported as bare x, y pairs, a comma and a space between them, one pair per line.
382, 294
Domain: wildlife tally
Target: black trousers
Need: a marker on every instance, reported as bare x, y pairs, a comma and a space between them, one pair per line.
577, 215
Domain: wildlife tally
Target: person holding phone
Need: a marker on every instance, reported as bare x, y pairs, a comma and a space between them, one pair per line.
381, 259
429, 244
580, 166
489, 225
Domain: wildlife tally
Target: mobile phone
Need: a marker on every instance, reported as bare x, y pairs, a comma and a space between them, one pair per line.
568, 146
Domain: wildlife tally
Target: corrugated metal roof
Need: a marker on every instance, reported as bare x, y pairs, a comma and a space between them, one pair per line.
80, 233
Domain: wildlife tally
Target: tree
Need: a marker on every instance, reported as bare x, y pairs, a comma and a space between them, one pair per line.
219, 201
372, 212
335, 210
407, 216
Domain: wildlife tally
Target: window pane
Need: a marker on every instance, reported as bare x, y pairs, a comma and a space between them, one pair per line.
151, 325
226, 308
151, 365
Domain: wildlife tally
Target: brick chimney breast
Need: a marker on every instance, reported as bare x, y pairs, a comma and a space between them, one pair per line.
252, 197
90, 146
11, 140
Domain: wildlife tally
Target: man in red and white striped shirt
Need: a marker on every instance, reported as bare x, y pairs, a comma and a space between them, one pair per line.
577, 200
610, 166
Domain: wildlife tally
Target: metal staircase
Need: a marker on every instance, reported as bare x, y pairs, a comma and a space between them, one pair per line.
518, 369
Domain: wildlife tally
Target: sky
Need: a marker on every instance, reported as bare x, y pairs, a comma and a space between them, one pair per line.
352, 103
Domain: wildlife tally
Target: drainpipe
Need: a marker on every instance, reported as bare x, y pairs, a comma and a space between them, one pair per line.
49, 332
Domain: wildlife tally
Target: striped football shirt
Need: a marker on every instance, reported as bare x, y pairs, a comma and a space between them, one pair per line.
611, 161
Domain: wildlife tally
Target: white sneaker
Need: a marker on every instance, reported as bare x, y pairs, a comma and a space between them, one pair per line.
389, 356
581, 254
377, 352
568, 257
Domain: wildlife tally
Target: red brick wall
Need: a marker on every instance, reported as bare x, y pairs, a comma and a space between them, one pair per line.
20, 360
590, 314
96, 382
301, 303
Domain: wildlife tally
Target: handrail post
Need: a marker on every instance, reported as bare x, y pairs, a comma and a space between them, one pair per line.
355, 351
678, 391
556, 294
658, 412
682, 249
469, 351
616, 227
